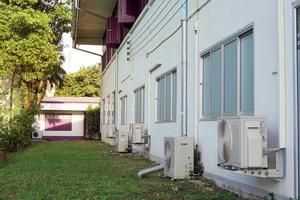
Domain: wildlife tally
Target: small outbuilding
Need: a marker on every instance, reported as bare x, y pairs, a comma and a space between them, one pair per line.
63, 118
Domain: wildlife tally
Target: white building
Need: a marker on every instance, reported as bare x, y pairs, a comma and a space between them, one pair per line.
187, 63
63, 118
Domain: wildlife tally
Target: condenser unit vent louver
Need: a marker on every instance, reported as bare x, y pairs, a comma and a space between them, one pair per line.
179, 157
241, 143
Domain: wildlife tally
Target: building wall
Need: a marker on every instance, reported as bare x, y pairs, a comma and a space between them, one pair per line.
159, 49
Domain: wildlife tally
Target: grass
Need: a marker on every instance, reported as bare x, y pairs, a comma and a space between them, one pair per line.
91, 170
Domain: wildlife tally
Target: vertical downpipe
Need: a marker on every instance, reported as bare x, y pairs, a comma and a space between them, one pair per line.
184, 70
196, 75
282, 74
117, 92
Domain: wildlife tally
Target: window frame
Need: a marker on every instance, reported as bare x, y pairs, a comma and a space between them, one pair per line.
164, 76
208, 53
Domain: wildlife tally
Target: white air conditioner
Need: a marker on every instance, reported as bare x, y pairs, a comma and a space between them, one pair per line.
111, 130
179, 157
122, 142
37, 133
241, 143
137, 133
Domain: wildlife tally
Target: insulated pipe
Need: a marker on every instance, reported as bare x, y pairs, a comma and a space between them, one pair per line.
150, 170
184, 70
282, 74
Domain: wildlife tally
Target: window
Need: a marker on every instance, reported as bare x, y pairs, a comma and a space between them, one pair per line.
139, 105
166, 97
58, 122
113, 108
108, 109
228, 78
123, 102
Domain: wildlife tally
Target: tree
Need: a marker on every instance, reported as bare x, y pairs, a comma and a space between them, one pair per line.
84, 83
30, 49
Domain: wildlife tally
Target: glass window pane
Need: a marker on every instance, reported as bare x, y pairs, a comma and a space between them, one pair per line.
163, 99
168, 96
216, 81
160, 99
174, 95
136, 107
230, 78
206, 85
247, 74
143, 104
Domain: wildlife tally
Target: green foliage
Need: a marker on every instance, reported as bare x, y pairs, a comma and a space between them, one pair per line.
16, 129
84, 83
93, 120
91, 170
30, 48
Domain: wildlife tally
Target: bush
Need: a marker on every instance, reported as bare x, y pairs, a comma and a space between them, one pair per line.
16, 129
93, 121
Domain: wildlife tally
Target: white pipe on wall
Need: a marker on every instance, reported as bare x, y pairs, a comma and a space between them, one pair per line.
282, 74
116, 103
184, 70
196, 74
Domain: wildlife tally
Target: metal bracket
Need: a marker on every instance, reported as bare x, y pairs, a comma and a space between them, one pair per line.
277, 173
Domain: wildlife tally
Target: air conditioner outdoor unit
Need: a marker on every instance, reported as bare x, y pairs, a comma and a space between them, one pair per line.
179, 157
111, 130
37, 133
241, 143
137, 133
122, 142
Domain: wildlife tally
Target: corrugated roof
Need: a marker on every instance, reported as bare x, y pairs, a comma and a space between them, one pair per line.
71, 100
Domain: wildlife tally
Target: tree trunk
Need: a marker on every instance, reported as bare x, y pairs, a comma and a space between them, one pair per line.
11, 97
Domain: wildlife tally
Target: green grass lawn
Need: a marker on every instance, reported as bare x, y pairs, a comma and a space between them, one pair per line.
91, 170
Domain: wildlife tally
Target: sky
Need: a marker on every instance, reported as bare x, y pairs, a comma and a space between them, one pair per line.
74, 59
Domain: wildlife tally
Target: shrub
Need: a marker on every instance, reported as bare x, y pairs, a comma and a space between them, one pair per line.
16, 129
93, 121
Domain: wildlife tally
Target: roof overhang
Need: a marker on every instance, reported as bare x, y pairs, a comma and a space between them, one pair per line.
89, 21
